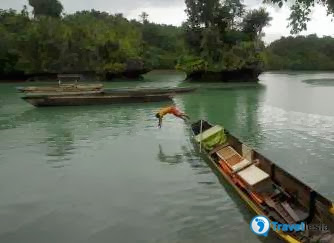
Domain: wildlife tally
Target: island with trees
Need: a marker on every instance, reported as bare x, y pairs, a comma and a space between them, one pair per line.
223, 41
50, 42
220, 40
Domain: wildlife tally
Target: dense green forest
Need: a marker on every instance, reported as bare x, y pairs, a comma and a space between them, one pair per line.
216, 38
301, 53
86, 41
219, 40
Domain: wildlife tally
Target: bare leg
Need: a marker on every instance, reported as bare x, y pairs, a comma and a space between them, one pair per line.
184, 117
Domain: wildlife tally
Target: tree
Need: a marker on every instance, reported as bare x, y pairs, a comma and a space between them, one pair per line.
300, 12
208, 13
12, 28
214, 14
255, 21
51, 8
220, 37
144, 17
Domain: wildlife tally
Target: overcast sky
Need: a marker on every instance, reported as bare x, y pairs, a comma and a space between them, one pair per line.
172, 12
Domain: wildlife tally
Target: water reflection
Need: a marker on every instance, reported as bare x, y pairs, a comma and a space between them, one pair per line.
60, 146
187, 155
65, 129
170, 159
183, 202
236, 109
232, 86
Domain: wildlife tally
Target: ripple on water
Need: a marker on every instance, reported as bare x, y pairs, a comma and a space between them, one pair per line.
320, 82
136, 192
303, 139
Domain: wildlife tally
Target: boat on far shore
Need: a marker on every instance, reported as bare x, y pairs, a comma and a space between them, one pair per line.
61, 88
75, 94
93, 99
75, 89
144, 90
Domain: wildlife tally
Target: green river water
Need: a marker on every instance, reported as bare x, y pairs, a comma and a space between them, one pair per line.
108, 174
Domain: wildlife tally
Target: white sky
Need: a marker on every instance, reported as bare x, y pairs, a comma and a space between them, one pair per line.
172, 12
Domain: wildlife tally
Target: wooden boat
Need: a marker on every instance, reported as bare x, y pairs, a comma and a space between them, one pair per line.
92, 99
98, 88
137, 91
265, 187
61, 88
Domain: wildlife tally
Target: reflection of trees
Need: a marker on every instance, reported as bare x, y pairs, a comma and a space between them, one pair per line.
60, 142
103, 115
187, 155
170, 159
59, 126
236, 109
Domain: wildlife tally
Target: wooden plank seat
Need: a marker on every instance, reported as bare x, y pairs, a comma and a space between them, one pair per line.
216, 149
253, 175
226, 152
232, 159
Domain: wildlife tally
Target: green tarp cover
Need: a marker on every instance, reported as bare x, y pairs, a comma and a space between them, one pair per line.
212, 137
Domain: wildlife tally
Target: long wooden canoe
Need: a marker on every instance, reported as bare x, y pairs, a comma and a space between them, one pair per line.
266, 188
93, 99
61, 88
66, 89
138, 91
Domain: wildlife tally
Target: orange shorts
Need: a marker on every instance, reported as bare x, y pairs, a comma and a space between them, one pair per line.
176, 112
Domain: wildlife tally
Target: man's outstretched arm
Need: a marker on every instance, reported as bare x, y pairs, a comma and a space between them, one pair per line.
160, 122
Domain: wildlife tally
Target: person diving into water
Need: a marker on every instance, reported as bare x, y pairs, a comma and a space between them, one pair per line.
170, 110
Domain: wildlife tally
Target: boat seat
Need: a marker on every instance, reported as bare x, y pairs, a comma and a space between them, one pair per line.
216, 149
232, 159
253, 175
226, 152
241, 165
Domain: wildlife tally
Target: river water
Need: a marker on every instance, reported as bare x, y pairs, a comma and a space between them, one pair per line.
108, 174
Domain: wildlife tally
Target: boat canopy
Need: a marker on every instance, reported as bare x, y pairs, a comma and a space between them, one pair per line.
211, 137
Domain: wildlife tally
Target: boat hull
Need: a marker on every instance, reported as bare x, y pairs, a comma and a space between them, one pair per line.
249, 203
40, 101
319, 208
98, 88
62, 88
147, 91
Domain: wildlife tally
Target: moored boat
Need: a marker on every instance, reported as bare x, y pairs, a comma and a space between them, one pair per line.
98, 88
136, 91
92, 99
266, 188
61, 88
